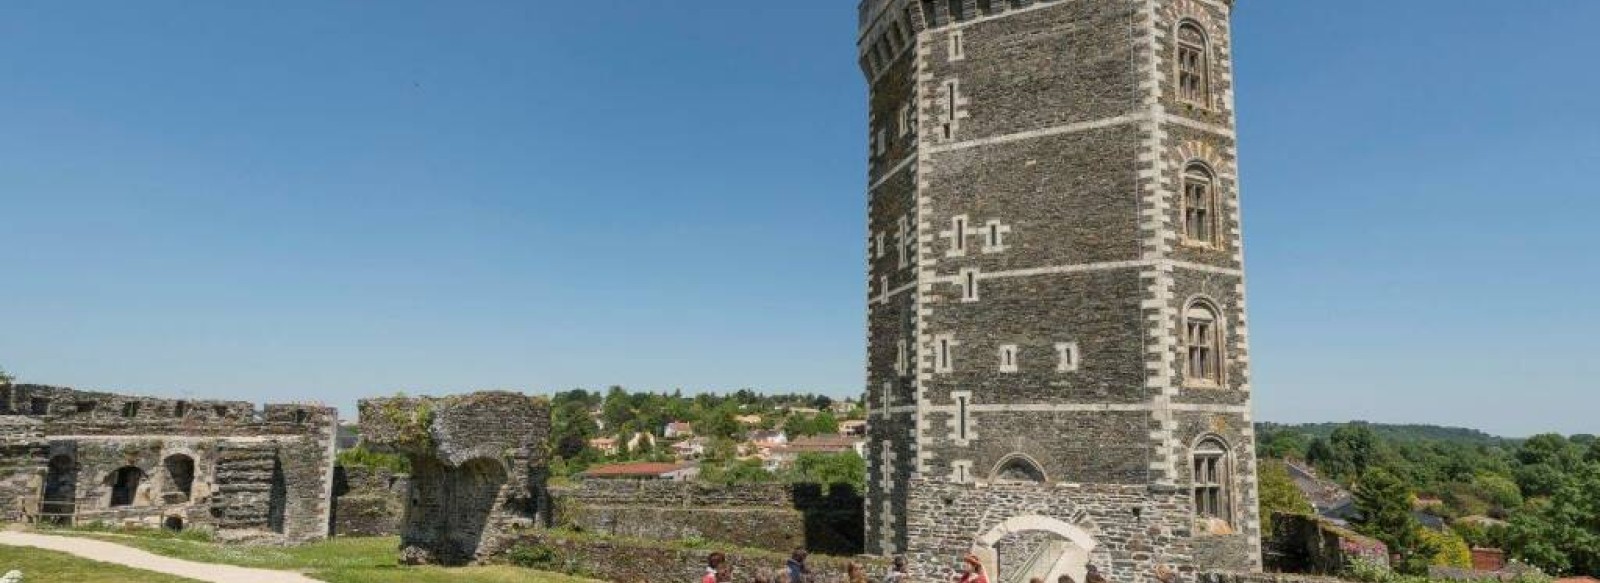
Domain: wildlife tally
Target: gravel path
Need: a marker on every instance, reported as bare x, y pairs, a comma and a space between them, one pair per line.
121, 555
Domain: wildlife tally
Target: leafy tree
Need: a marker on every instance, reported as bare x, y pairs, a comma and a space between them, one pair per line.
842, 468
5, 378
736, 472
1384, 502
1498, 490
1279, 494
1446, 549
1562, 534
719, 422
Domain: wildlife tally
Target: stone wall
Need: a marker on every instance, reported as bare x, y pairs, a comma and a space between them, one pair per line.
23, 458
368, 501
1308, 544
179, 463
633, 561
776, 517
479, 466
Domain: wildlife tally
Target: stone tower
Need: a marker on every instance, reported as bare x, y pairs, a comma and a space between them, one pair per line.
1058, 360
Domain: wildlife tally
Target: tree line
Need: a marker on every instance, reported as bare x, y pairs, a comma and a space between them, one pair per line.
1536, 498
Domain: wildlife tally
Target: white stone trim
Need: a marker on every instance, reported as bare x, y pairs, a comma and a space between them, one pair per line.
959, 229
997, 243
1068, 359
1050, 131
891, 173
967, 279
1010, 358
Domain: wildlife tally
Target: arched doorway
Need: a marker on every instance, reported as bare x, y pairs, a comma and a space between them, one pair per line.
1025, 547
124, 485
60, 489
180, 476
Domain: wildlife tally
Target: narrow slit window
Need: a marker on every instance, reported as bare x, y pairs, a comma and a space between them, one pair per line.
969, 285
957, 51
1008, 358
959, 233
961, 418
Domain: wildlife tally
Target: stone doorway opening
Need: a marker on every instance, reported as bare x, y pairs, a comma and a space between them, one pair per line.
124, 485
1027, 547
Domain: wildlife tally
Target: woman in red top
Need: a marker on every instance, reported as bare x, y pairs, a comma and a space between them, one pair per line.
974, 571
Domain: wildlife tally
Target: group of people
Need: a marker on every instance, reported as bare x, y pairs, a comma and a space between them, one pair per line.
795, 570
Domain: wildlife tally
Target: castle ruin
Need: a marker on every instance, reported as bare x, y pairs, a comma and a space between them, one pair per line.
70, 456
1057, 348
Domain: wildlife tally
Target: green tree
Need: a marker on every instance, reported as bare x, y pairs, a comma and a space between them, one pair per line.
1384, 503
842, 468
1562, 534
5, 378
1498, 490
1279, 494
1445, 549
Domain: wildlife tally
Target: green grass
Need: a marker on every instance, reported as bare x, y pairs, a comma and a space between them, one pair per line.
337, 560
42, 566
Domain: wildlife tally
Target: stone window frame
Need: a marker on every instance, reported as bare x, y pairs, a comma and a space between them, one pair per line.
1203, 174
1068, 357
968, 278
962, 424
902, 241
1212, 478
958, 235
877, 245
1201, 71
944, 357
957, 45
1212, 352
1010, 358
994, 236
908, 119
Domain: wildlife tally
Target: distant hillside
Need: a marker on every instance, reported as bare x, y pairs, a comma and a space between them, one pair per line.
1392, 432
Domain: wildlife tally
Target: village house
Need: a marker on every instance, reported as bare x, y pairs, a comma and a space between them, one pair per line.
677, 430
853, 427
781, 457
604, 445
692, 448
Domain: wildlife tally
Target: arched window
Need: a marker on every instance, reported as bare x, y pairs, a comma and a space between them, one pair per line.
1018, 468
1194, 66
1212, 479
1199, 204
1202, 340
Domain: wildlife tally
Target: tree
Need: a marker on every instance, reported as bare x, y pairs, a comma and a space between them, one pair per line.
842, 468
1384, 503
1445, 549
5, 379
1562, 534
1279, 494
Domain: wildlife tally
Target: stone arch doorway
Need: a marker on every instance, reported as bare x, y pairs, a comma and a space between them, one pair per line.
1025, 547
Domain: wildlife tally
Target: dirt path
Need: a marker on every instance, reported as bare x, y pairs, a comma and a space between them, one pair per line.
131, 557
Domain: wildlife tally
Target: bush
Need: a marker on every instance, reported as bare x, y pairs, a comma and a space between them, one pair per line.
533, 557
361, 457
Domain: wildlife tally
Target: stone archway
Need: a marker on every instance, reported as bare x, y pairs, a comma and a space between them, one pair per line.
1024, 547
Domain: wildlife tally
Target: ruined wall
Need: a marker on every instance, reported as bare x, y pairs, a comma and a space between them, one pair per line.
1308, 544
633, 561
23, 459
179, 462
751, 515
479, 466
369, 501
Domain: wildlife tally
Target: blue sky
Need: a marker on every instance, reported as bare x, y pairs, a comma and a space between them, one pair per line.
315, 200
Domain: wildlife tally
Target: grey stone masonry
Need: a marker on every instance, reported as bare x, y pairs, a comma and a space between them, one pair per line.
178, 463
478, 468
1058, 363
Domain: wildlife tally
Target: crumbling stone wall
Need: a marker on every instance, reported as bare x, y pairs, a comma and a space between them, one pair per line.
182, 463
479, 467
749, 515
369, 501
778, 517
23, 463
1308, 544
637, 561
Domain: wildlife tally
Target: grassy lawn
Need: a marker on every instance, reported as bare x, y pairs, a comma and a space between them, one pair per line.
42, 566
338, 560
